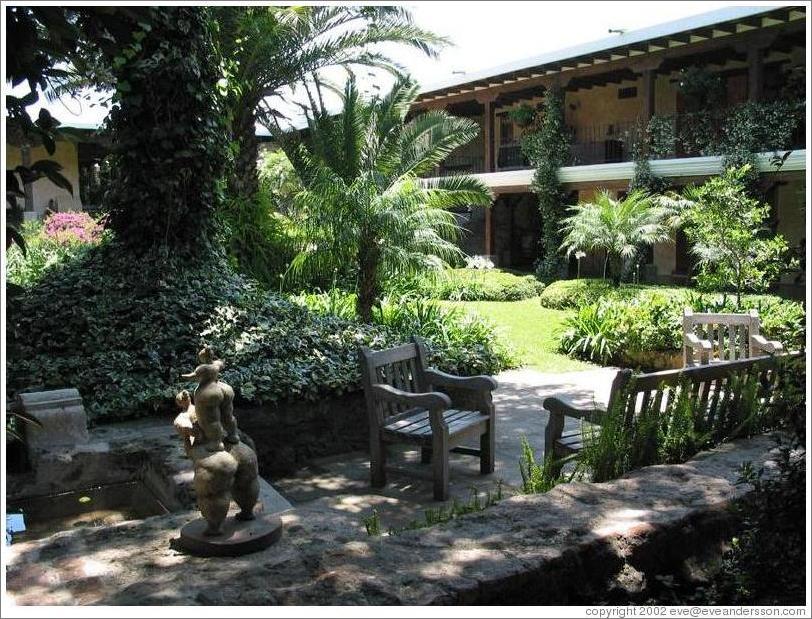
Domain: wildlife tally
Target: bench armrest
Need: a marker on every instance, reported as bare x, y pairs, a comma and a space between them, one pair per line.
759, 342
471, 383
558, 409
556, 406
432, 401
695, 344
693, 341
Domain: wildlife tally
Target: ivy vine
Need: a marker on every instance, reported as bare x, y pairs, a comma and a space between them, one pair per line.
166, 128
547, 147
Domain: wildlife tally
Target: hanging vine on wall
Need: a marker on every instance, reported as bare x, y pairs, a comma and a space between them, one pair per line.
739, 132
547, 147
655, 140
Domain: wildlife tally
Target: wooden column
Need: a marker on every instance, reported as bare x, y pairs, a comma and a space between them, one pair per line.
649, 92
755, 73
489, 227
488, 134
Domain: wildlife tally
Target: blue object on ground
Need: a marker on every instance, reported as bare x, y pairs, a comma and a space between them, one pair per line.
15, 523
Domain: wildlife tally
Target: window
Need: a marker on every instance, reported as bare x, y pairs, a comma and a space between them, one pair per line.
506, 131
627, 93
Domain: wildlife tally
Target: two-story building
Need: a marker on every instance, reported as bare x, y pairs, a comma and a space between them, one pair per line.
612, 87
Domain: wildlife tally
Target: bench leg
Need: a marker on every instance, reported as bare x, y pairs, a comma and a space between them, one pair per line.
440, 465
487, 450
377, 461
425, 455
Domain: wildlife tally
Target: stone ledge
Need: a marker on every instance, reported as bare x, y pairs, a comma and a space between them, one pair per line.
542, 549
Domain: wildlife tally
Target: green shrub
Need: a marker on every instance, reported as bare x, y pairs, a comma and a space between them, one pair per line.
615, 325
334, 302
574, 293
593, 333
260, 241
123, 331
459, 343
472, 285
43, 252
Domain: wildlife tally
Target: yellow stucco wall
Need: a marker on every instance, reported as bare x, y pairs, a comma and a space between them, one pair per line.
43, 190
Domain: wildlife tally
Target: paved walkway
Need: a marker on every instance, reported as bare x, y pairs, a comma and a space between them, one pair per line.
341, 483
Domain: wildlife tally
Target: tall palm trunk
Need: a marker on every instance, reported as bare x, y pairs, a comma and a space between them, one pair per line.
245, 181
368, 288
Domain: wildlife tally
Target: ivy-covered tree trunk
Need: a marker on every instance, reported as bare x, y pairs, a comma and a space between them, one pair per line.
167, 136
548, 148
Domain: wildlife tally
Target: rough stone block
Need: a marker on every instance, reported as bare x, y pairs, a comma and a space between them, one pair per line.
62, 416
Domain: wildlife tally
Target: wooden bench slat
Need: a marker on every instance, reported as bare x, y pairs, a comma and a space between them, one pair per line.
713, 392
451, 417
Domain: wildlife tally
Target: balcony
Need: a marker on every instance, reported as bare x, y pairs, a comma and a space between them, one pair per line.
609, 143
457, 163
511, 157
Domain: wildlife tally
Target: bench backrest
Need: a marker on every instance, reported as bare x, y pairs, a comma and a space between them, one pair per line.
729, 334
401, 367
714, 390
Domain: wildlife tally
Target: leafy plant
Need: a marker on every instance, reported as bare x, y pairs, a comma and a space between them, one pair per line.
364, 202
471, 284
123, 332
537, 478
457, 340
632, 320
261, 242
618, 227
679, 436
523, 115
593, 333
372, 523
727, 229
334, 302
267, 51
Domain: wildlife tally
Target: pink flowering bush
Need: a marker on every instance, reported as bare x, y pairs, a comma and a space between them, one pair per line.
68, 228
60, 239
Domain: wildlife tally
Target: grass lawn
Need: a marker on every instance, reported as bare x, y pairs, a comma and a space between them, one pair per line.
530, 329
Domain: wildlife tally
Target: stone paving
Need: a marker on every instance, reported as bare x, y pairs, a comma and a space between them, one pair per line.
341, 483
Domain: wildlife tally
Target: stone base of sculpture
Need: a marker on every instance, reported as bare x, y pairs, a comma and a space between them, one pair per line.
238, 537
225, 468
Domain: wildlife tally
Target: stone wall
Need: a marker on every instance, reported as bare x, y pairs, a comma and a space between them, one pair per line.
579, 543
288, 434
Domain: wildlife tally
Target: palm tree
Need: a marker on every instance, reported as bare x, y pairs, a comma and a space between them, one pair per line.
364, 203
619, 227
268, 52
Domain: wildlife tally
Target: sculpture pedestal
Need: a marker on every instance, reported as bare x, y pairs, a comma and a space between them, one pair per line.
239, 537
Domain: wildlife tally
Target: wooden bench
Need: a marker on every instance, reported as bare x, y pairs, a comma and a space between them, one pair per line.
408, 402
715, 389
710, 338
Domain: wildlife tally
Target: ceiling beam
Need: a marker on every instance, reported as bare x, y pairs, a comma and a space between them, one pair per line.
617, 61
